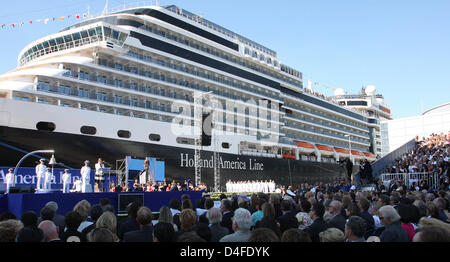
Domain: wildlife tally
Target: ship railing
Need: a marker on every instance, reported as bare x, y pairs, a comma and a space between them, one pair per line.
354, 140
330, 117
408, 179
125, 6
220, 55
205, 76
161, 93
60, 47
323, 124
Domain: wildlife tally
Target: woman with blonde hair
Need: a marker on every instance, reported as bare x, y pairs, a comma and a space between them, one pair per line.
82, 208
165, 216
109, 221
433, 222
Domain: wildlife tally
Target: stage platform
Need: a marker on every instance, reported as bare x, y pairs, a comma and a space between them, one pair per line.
20, 203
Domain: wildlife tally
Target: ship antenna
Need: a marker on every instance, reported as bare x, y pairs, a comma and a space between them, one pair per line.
157, 3
105, 10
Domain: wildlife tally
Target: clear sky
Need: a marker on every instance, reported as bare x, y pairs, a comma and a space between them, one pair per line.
402, 46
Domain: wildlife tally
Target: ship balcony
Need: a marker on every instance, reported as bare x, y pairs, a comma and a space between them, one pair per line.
160, 64
168, 96
331, 118
316, 132
324, 125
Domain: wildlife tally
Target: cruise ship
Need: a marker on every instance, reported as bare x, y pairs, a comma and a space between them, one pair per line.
142, 81
372, 105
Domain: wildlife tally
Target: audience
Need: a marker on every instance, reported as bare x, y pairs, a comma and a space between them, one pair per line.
163, 232
30, 232
109, 221
50, 230
318, 225
71, 234
96, 212
9, 230
355, 229
333, 212
214, 217
331, 235
227, 214
295, 235
101, 234
145, 233
393, 231
242, 222
130, 224
83, 207
262, 235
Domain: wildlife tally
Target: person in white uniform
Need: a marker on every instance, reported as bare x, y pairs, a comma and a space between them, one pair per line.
99, 178
85, 177
48, 179
66, 179
76, 185
9, 179
40, 174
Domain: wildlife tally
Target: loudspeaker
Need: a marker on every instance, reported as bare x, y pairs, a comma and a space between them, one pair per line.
27, 189
206, 126
14, 190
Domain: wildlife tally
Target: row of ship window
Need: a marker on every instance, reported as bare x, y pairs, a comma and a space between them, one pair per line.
230, 58
122, 99
72, 40
221, 30
91, 130
184, 69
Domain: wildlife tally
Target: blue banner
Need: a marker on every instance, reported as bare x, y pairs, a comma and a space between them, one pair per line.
27, 177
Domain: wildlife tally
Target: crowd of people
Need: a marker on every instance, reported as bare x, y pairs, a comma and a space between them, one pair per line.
334, 212
430, 156
320, 215
251, 186
164, 186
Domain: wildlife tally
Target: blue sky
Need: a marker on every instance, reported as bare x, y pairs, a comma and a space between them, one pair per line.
402, 47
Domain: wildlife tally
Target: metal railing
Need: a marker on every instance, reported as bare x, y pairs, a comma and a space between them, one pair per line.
380, 165
408, 179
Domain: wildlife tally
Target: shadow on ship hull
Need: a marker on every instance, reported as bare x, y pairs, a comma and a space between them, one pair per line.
72, 150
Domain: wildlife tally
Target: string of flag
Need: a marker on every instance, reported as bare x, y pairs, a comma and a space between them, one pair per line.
45, 20
312, 83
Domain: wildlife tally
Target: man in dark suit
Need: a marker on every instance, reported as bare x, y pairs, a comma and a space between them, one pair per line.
364, 205
337, 220
393, 232
209, 203
288, 219
145, 234
130, 223
319, 225
96, 212
217, 231
227, 214
49, 212
50, 231
349, 167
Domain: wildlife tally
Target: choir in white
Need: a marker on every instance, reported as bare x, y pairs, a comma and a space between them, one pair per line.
251, 186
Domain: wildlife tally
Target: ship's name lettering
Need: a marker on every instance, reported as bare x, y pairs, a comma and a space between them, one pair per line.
189, 161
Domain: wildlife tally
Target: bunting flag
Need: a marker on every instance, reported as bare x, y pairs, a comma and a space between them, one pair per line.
46, 20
